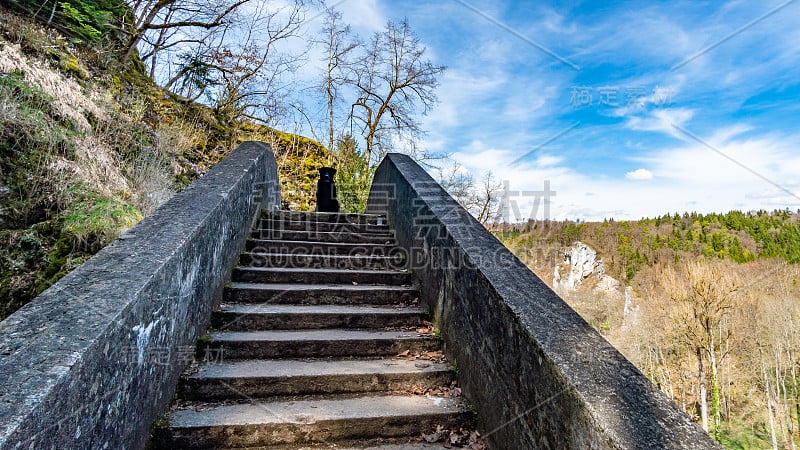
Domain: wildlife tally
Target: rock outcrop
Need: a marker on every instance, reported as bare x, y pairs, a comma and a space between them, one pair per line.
581, 262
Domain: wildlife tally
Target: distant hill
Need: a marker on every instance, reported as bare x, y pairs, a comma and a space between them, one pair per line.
629, 246
706, 305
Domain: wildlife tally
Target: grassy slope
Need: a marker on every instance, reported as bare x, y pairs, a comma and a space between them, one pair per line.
89, 147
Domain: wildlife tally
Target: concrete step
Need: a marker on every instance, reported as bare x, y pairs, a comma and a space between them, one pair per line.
299, 216
321, 276
263, 378
318, 294
246, 317
322, 236
405, 443
310, 225
316, 248
237, 345
396, 261
263, 423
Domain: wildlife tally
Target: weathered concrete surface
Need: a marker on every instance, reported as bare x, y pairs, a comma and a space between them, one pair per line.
394, 260
316, 248
333, 276
323, 226
324, 236
314, 344
263, 378
93, 360
539, 375
295, 216
322, 294
308, 317
323, 420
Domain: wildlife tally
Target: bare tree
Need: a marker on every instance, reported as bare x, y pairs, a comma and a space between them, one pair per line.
704, 299
252, 76
481, 200
393, 82
489, 199
242, 69
458, 182
777, 336
338, 47
167, 23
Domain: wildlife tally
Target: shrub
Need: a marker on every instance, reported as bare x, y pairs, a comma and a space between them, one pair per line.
85, 21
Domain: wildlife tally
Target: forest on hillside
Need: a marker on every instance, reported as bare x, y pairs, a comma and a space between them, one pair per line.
712, 315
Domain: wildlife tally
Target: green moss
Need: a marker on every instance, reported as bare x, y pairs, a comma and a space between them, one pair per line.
161, 422
96, 221
742, 437
70, 64
299, 159
27, 94
60, 261
51, 222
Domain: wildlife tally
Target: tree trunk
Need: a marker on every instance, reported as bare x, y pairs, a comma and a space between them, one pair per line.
768, 396
368, 150
715, 397
703, 394
770, 413
667, 372
52, 12
796, 392
782, 396
330, 111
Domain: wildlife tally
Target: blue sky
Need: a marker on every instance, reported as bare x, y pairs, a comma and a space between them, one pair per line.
629, 109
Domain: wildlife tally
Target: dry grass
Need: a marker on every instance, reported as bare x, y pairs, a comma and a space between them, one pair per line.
94, 164
69, 99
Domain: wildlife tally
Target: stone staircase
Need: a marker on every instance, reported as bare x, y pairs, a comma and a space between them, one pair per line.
319, 343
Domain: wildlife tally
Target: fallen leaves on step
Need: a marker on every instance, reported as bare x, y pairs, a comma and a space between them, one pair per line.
436, 436
434, 357
426, 328
412, 303
450, 438
450, 391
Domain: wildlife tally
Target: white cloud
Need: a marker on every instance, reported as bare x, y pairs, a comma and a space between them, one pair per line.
691, 177
453, 101
639, 175
365, 15
658, 97
662, 120
548, 160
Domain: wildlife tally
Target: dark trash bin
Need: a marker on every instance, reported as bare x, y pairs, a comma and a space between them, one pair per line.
326, 191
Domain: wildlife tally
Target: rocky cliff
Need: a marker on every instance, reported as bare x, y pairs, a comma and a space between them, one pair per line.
581, 264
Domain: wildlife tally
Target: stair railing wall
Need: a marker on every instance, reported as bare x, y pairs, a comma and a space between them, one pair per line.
537, 373
94, 360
